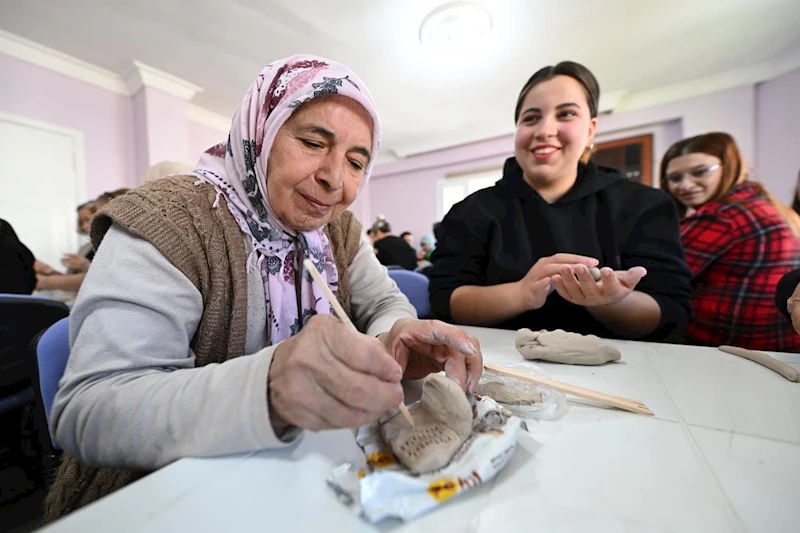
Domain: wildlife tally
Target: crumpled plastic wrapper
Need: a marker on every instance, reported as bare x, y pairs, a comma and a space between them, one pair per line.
553, 404
384, 488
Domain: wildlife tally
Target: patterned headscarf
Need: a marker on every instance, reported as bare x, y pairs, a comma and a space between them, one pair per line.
237, 171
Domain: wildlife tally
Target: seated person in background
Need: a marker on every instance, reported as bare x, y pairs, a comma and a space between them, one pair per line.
392, 250
787, 297
408, 237
739, 242
165, 168
426, 246
16, 263
80, 262
196, 332
518, 254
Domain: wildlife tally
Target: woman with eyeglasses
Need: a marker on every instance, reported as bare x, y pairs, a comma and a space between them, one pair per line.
739, 242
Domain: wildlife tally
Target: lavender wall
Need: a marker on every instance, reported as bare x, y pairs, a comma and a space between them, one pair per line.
167, 130
405, 190
201, 138
105, 118
778, 134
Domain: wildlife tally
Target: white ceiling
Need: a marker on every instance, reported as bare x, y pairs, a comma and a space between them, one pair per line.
426, 99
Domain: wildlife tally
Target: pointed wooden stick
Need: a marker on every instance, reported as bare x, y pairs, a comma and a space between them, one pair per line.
344, 318
635, 406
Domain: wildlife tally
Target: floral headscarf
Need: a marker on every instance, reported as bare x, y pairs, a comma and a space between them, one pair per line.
237, 171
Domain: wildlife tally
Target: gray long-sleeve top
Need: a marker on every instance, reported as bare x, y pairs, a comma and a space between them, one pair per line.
131, 396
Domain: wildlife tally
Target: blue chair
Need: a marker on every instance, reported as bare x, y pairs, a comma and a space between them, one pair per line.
52, 353
415, 287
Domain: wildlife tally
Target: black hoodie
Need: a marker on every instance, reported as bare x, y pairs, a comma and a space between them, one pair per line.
496, 235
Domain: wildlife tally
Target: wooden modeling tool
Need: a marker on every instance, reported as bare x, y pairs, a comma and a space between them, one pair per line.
626, 404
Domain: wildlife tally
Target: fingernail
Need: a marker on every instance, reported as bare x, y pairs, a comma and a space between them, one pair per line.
467, 347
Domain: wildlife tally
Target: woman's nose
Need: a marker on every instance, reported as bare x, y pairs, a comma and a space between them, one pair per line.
545, 129
331, 172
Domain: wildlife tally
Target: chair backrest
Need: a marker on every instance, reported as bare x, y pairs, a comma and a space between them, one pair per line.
52, 353
22, 317
415, 287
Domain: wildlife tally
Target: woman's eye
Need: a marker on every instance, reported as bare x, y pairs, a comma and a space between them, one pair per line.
568, 114
311, 144
356, 165
530, 119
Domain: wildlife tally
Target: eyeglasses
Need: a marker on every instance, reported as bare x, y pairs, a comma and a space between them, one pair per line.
697, 174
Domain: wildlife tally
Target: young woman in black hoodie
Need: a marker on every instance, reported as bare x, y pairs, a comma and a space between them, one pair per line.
519, 254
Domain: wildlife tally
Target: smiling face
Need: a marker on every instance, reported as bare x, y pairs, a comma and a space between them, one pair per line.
553, 130
318, 161
693, 179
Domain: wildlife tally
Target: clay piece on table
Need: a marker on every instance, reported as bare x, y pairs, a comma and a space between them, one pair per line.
507, 394
443, 421
560, 346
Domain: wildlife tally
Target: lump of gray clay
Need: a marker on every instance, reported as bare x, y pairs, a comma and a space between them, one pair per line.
560, 346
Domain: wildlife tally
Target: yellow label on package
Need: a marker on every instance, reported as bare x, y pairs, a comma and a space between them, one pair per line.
385, 488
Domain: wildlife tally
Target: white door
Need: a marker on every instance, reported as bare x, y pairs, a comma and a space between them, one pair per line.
41, 184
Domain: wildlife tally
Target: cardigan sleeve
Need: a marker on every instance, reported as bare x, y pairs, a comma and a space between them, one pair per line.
655, 244
131, 395
460, 257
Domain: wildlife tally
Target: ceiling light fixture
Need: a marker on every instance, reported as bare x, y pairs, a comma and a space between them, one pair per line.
455, 24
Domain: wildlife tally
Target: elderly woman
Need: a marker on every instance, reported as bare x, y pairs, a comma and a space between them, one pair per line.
197, 271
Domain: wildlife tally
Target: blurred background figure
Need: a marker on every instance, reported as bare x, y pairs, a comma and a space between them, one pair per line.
165, 168
106, 197
390, 249
426, 247
408, 237
16, 263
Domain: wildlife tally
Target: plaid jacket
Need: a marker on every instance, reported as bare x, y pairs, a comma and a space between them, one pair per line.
738, 249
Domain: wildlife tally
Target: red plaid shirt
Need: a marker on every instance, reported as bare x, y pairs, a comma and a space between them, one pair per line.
738, 250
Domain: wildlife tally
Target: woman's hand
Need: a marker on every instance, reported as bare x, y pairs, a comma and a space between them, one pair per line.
329, 376
576, 284
44, 269
75, 262
538, 283
426, 346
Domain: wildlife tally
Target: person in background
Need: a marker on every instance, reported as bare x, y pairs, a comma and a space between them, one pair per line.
17, 275
408, 237
796, 199
198, 331
787, 298
426, 246
165, 168
739, 242
518, 254
392, 250
106, 197
79, 262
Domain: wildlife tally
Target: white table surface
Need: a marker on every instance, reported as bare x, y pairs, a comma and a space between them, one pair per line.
722, 453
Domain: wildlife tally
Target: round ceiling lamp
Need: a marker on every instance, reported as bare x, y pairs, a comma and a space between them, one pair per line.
455, 24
